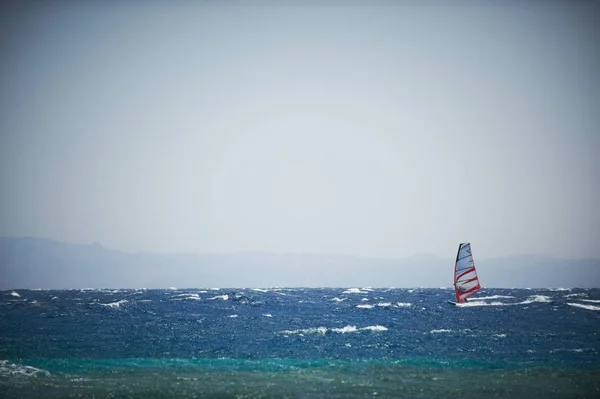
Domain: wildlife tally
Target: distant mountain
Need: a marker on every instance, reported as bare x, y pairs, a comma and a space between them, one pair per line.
42, 263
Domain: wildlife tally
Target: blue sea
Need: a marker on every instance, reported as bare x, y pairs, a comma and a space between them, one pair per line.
299, 343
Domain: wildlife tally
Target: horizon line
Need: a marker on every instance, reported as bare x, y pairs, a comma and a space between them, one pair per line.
283, 253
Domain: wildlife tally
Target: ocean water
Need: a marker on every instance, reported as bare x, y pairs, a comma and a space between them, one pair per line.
299, 343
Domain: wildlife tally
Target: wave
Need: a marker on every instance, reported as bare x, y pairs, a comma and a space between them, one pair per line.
583, 306
536, 298
385, 305
12, 369
355, 291
15, 294
482, 298
531, 299
325, 330
224, 297
115, 305
446, 331
591, 300
180, 297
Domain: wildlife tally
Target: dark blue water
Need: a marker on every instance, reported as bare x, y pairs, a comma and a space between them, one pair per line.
304, 343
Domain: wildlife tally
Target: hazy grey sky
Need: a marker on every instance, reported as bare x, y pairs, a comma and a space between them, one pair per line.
378, 131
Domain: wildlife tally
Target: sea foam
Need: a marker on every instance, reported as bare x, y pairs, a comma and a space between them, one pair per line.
581, 305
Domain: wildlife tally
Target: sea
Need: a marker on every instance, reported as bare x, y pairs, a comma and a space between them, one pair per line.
352, 342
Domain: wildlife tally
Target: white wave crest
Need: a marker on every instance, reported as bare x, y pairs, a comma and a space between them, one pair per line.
267, 315
313, 330
336, 299
347, 329
15, 294
537, 298
386, 305
442, 330
259, 290
343, 330
115, 305
354, 291
482, 303
483, 298
574, 295
8, 369
179, 297
534, 298
224, 297
591, 300
233, 316
375, 328
581, 305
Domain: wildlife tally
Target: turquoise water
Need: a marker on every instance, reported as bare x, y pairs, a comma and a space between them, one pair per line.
299, 343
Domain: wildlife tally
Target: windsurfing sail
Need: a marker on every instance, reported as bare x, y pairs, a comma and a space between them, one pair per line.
466, 282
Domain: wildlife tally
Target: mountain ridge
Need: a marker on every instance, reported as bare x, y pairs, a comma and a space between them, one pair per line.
29, 262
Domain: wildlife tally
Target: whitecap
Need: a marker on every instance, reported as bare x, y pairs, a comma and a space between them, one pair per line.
259, 290
344, 330
336, 299
7, 368
591, 300
233, 316
15, 294
536, 298
482, 298
317, 330
482, 303
403, 304
353, 291
365, 306
224, 297
324, 330
267, 315
442, 330
581, 305
375, 328
195, 297
115, 304
574, 295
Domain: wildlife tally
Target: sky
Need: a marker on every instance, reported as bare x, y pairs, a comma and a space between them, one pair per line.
373, 129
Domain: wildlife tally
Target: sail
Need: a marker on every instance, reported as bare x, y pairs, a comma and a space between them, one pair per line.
466, 282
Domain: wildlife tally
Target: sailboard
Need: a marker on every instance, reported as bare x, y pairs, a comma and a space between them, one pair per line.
466, 281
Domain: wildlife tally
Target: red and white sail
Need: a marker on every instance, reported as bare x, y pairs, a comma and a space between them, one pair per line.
466, 282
